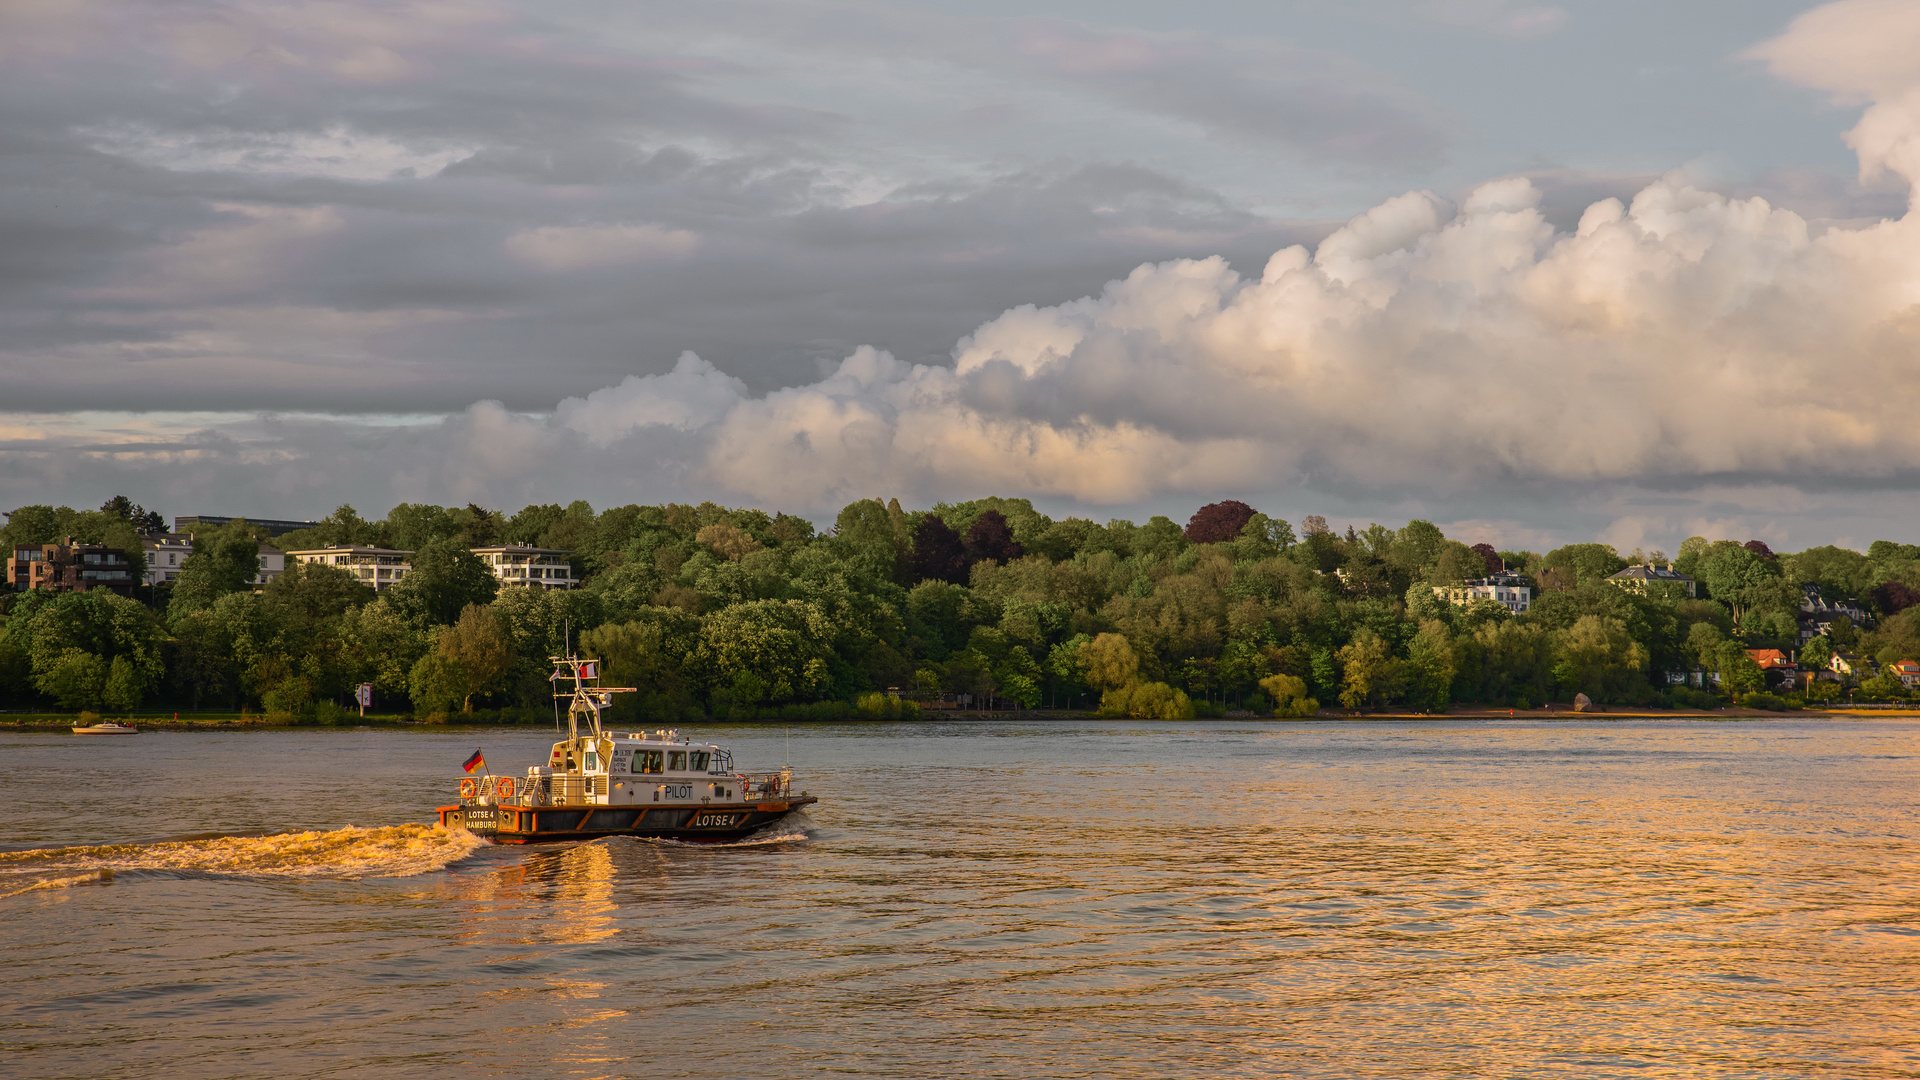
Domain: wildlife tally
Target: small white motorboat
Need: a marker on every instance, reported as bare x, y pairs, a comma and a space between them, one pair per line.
107, 728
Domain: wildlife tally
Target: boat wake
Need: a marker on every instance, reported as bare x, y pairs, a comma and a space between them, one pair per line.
352, 852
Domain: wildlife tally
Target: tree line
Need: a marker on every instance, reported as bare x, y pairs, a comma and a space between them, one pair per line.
736, 613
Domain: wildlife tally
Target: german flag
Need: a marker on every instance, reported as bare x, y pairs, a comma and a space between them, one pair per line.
477, 761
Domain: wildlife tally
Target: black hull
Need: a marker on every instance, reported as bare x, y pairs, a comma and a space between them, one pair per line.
547, 824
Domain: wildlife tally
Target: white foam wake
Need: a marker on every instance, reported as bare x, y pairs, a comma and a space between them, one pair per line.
352, 852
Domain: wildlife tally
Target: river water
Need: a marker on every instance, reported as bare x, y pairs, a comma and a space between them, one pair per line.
1086, 899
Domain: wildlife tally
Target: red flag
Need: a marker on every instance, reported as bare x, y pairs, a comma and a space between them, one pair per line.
477, 761
590, 669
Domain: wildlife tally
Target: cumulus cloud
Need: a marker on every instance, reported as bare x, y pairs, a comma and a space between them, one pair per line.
1861, 51
1683, 334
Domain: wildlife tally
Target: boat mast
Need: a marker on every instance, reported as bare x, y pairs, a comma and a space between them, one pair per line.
585, 698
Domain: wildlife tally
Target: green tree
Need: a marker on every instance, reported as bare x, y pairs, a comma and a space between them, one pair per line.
1289, 694
224, 561
872, 544
1882, 687
74, 679
642, 655
1456, 563
1739, 672
1743, 580
1147, 701
436, 683
445, 579
481, 651
125, 686
1417, 546
413, 526
72, 639
783, 643
1581, 564
31, 526
383, 646
1516, 663
1430, 668
1371, 675
1599, 658
316, 592
1109, 662
1424, 605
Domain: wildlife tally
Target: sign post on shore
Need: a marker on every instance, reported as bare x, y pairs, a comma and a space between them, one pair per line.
364, 695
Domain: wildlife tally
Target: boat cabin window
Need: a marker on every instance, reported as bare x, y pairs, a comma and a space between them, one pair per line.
697, 760
646, 761
677, 761
593, 761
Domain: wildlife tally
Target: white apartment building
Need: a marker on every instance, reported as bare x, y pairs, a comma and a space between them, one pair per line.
378, 567
1503, 588
166, 552
539, 568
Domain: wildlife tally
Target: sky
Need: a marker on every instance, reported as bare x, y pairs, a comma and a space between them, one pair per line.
1539, 273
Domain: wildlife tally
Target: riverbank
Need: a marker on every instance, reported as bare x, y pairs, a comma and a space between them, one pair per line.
254, 721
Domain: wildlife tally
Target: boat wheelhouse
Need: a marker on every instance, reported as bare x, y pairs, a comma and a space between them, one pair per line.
599, 783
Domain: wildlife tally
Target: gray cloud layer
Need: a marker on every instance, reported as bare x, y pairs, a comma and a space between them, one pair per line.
342, 209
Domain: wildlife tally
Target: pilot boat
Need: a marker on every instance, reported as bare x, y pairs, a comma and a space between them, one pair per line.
601, 783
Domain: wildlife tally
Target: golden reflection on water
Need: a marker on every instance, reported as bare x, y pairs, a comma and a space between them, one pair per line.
1006, 900
553, 898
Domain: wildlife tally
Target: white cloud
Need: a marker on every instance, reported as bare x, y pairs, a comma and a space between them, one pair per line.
692, 396
1861, 51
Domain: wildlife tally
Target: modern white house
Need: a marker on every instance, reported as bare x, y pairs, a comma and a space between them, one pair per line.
539, 568
1507, 589
378, 567
166, 552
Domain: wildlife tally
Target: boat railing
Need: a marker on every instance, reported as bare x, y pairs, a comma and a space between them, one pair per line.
775, 785
564, 790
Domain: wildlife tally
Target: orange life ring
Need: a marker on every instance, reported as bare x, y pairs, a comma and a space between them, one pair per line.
503, 787
466, 788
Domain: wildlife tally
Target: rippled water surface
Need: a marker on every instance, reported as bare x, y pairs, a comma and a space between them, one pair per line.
973, 900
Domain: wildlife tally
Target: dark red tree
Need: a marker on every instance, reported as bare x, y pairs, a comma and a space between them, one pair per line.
937, 552
1760, 548
991, 538
1895, 596
1217, 523
1492, 558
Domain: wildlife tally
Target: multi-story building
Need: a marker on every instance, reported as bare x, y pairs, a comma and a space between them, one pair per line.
167, 553
539, 568
1506, 588
69, 567
207, 522
378, 567
1637, 578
